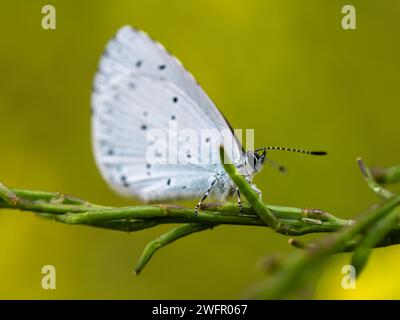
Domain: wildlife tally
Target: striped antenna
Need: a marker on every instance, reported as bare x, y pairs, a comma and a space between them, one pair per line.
316, 153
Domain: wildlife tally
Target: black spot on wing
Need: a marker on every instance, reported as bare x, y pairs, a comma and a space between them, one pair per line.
124, 181
132, 85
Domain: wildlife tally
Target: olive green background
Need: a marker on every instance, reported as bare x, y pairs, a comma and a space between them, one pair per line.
285, 68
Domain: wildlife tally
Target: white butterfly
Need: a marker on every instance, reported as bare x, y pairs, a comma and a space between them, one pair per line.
140, 87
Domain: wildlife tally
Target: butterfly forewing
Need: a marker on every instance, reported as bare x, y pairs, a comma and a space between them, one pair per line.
132, 51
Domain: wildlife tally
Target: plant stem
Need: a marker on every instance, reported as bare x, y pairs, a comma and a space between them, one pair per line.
245, 188
372, 238
380, 227
290, 274
58, 207
167, 238
371, 183
388, 175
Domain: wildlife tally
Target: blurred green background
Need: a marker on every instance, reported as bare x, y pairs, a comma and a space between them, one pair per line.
285, 68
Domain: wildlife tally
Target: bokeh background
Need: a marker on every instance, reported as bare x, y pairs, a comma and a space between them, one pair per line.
285, 68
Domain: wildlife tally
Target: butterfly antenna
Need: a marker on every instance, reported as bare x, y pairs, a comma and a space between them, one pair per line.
315, 153
277, 166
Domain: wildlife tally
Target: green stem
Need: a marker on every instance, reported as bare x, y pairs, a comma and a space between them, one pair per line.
371, 182
167, 238
71, 210
286, 220
387, 175
244, 187
58, 207
375, 235
290, 274
263, 211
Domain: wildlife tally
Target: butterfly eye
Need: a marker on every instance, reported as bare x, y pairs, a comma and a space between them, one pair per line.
260, 156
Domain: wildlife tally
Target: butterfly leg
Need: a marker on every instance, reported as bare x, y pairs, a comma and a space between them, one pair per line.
196, 209
238, 195
253, 186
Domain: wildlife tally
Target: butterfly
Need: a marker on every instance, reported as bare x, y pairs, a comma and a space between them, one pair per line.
141, 89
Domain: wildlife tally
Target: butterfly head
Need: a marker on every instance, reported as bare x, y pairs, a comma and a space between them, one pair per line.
255, 159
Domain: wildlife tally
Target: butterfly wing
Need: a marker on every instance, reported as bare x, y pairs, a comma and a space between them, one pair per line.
138, 90
133, 51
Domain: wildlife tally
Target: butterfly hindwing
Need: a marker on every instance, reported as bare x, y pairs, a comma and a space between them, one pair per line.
122, 121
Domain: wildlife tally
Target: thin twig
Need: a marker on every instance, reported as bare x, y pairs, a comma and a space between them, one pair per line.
374, 236
372, 184
128, 218
167, 238
290, 277
369, 230
379, 227
244, 187
388, 175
